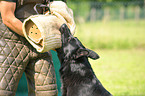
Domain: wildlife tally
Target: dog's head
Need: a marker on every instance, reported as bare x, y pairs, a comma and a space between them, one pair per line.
72, 47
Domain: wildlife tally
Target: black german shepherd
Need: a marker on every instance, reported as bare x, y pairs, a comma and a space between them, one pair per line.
78, 78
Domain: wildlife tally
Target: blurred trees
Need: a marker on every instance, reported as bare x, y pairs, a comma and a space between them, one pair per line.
109, 0
92, 10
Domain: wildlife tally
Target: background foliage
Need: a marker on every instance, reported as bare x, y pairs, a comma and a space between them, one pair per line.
106, 0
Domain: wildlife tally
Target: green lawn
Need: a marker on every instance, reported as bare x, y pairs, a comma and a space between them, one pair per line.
122, 72
121, 46
112, 35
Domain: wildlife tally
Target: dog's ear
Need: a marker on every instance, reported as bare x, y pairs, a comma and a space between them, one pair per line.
86, 52
80, 53
92, 54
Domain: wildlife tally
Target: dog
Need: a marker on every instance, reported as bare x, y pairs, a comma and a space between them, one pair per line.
77, 76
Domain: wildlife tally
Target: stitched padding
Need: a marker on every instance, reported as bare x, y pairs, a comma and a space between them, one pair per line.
13, 56
17, 56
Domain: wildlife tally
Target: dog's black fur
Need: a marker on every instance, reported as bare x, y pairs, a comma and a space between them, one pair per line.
78, 78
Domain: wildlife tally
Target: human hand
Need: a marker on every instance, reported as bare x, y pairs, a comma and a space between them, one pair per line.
61, 10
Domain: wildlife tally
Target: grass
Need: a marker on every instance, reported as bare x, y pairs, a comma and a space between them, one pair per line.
121, 71
121, 46
112, 35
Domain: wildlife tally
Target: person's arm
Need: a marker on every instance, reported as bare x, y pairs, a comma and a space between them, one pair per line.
7, 10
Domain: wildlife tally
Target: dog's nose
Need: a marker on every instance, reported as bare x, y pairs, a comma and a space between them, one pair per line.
62, 28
